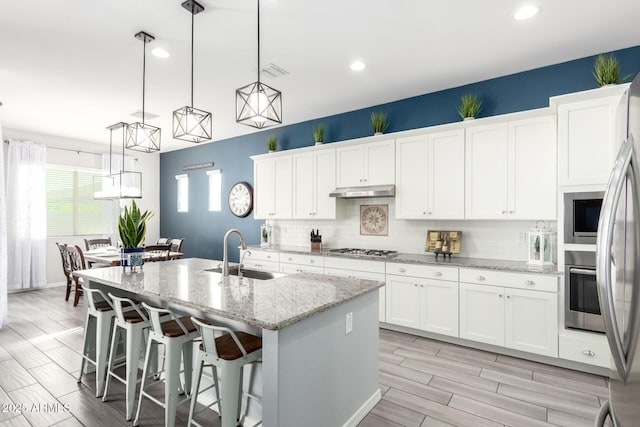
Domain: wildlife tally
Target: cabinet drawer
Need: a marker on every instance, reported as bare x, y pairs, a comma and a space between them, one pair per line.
536, 282
354, 264
423, 271
300, 268
257, 264
355, 274
591, 351
311, 260
256, 254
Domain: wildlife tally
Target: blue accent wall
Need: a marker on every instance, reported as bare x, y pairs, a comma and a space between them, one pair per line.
203, 230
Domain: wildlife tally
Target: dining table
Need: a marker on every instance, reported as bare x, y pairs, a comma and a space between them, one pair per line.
113, 258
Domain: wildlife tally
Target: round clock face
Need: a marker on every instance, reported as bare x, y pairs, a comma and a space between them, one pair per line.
373, 220
241, 199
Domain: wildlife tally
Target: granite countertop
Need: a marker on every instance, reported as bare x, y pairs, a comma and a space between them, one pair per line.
269, 304
430, 259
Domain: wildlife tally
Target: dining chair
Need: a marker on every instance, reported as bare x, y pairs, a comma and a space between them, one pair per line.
90, 244
76, 260
163, 241
66, 267
176, 245
157, 252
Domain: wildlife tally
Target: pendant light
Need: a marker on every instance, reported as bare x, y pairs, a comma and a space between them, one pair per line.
141, 136
120, 185
258, 104
191, 124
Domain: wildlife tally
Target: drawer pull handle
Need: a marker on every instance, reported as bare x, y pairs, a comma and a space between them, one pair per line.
588, 353
499, 295
480, 278
415, 284
402, 270
529, 282
312, 261
438, 274
508, 296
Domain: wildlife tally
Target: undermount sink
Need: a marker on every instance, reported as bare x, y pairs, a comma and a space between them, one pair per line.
251, 274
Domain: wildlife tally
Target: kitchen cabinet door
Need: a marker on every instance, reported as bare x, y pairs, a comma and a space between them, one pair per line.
532, 184
439, 306
482, 313
531, 321
366, 164
402, 301
303, 183
411, 177
282, 188
486, 172
325, 182
264, 189
445, 184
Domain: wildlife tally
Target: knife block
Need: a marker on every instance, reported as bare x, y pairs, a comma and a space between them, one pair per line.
316, 246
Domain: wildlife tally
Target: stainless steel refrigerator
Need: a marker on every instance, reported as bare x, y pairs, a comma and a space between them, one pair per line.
618, 267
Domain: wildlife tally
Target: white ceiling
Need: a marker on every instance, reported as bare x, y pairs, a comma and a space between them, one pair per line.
72, 67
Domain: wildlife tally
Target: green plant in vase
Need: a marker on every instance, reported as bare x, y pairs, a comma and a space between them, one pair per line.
318, 134
379, 123
272, 143
132, 228
606, 70
470, 106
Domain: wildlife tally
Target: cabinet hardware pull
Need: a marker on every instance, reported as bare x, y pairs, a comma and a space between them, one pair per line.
312, 261
422, 286
511, 212
438, 274
424, 213
529, 282
508, 296
480, 278
415, 284
429, 213
402, 270
588, 353
504, 212
290, 259
499, 295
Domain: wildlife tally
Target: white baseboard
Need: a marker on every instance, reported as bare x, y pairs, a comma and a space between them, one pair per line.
364, 409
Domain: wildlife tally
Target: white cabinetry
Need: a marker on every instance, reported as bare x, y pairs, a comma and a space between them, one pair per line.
255, 259
430, 176
587, 138
360, 269
423, 297
272, 182
500, 309
299, 263
510, 170
366, 164
585, 347
314, 177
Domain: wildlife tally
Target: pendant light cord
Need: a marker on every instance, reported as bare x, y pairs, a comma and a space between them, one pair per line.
192, 18
258, 42
144, 69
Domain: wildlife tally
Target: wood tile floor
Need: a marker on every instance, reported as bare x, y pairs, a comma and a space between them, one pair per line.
424, 382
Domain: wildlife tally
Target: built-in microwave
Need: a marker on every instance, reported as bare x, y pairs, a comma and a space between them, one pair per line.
581, 215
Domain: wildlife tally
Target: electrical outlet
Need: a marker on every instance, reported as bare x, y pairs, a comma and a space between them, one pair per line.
349, 323
522, 237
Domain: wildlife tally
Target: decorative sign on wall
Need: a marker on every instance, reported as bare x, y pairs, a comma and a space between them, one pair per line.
197, 166
374, 220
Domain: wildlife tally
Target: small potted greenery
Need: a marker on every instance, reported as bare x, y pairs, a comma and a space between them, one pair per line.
132, 227
272, 143
318, 134
470, 106
379, 123
606, 71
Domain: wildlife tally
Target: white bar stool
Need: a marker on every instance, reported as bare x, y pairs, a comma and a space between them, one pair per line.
132, 321
97, 328
177, 334
230, 352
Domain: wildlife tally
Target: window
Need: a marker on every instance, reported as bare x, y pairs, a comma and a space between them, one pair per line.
215, 190
71, 209
183, 192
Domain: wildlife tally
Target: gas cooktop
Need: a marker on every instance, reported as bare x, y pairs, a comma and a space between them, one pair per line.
373, 253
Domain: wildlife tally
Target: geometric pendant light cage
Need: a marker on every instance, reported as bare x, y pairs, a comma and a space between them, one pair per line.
141, 136
122, 184
189, 123
257, 104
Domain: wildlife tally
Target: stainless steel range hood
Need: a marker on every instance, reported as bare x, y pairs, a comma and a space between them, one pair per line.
360, 192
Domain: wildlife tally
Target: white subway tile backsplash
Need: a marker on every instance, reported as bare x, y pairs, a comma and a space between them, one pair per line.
480, 239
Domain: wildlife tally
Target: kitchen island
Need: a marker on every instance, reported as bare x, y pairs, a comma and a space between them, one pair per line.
314, 373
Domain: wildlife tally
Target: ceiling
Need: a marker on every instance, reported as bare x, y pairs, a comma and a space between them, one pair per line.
72, 67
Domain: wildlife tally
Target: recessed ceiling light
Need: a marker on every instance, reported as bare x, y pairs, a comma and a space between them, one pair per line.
526, 12
358, 66
160, 52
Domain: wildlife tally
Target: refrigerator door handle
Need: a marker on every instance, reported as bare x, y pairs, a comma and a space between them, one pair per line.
602, 415
604, 255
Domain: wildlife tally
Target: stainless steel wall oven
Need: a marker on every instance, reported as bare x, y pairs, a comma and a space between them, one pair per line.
581, 302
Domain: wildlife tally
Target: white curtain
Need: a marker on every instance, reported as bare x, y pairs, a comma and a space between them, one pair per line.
26, 215
112, 213
3, 239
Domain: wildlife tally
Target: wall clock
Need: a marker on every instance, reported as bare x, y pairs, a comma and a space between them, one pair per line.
374, 220
241, 199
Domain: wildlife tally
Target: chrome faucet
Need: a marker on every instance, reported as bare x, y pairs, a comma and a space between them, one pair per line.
225, 253
241, 261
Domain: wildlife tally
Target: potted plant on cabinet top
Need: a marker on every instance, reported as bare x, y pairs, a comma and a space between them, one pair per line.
379, 123
469, 107
318, 134
272, 143
132, 227
606, 71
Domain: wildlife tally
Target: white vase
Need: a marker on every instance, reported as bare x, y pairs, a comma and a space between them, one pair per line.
377, 133
319, 143
272, 151
468, 118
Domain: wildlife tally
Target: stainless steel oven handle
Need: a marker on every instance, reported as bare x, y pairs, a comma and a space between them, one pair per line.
603, 256
582, 271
